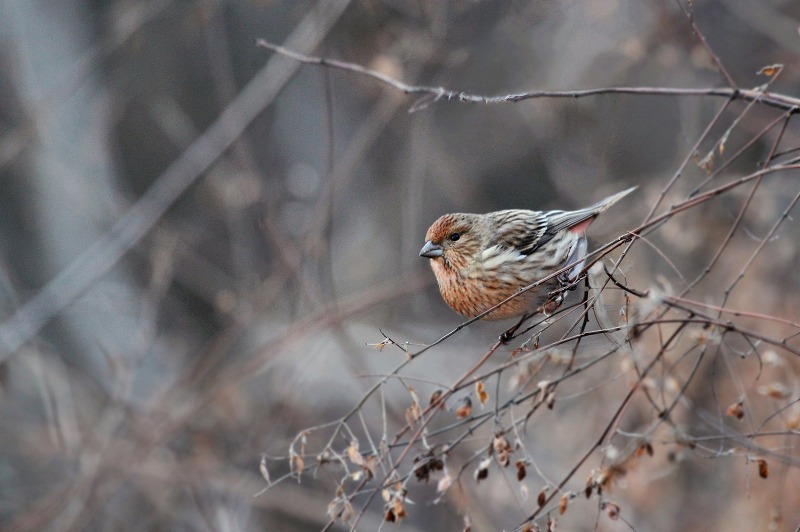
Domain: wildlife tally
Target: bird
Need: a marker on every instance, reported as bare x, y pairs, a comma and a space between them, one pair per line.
479, 260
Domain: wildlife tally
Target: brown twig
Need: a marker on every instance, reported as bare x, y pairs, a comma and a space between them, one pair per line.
435, 94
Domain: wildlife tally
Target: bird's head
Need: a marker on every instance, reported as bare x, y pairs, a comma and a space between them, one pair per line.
453, 240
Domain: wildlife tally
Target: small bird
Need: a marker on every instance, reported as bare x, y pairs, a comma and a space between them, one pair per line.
481, 259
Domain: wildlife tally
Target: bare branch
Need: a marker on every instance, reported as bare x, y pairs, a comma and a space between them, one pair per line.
435, 94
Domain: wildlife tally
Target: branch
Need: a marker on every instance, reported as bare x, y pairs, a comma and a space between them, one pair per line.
434, 94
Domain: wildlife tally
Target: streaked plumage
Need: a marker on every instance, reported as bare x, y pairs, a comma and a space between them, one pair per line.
481, 259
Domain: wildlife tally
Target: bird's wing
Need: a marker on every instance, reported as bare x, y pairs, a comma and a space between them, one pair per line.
563, 220
519, 231
523, 232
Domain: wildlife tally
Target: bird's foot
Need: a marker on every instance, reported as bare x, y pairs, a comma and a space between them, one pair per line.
507, 336
565, 282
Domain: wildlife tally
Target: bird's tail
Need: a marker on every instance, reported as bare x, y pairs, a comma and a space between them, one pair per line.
578, 221
602, 205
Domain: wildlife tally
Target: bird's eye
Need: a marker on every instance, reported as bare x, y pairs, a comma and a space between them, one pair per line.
454, 237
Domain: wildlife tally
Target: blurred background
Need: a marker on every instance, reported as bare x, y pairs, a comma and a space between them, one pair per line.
208, 235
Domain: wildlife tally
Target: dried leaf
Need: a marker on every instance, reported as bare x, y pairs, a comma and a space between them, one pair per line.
380, 345
542, 497
369, 466
604, 478
551, 400
297, 465
412, 414
502, 450
672, 385
771, 70
612, 509
776, 390
436, 398
763, 468
543, 385
644, 448
399, 508
480, 389
589, 486
736, 410
722, 142
262, 467
324, 457
521, 469
500, 444
707, 162
562, 504
341, 510
353, 455
771, 358
414, 395
425, 464
464, 411
502, 458
348, 512
483, 469
705, 336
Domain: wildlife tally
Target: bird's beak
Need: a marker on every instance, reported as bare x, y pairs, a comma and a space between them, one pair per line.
431, 250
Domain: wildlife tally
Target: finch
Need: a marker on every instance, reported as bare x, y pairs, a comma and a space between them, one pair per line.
481, 259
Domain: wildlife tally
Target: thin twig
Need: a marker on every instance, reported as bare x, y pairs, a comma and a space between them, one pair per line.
435, 94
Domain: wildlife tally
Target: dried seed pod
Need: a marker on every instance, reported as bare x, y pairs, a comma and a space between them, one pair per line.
480, 390
587, 490
483, 469
763, 468
465, 409
736, 410
612, 509
542, 497
521, 470
435, 398
562, 504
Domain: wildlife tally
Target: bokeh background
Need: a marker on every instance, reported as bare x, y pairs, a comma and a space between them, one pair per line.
154, 384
